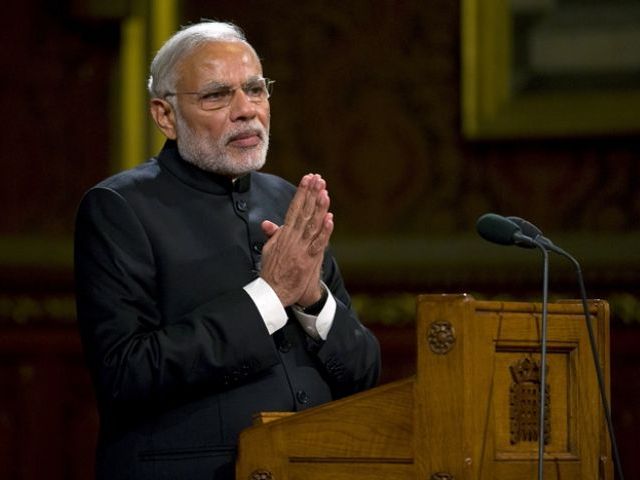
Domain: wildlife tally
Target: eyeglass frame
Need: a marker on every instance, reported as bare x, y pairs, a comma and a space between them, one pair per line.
230, 91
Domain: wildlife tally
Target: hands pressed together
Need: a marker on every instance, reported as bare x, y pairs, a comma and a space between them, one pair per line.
292, 257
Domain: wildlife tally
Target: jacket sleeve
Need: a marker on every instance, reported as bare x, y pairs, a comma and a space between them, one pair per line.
351, 353
135, 354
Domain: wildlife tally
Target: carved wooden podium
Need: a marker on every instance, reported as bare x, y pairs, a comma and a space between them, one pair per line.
470, 412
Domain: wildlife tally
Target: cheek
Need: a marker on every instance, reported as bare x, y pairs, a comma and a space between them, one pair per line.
212, 126
265, 116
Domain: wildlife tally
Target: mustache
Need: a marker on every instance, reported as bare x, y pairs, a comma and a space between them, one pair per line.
246, 130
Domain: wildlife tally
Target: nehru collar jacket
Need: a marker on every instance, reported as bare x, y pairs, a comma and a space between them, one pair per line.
178, 352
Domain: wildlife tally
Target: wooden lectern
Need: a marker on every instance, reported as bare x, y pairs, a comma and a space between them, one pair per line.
470, 412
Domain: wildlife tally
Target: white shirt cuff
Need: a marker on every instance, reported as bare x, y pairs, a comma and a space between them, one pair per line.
318, 327
268, 304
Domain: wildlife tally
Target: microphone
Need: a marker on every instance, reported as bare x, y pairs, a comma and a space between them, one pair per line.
535, 233
527, 228
530, 230
503, 231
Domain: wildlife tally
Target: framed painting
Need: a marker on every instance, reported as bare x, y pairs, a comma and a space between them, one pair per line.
550, 68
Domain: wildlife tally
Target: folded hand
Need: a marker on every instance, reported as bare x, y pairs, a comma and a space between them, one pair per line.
292, 257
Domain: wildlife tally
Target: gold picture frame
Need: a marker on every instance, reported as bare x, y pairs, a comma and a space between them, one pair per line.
143, 30
494, 107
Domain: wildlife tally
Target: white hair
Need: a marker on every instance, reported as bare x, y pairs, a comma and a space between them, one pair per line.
162, 78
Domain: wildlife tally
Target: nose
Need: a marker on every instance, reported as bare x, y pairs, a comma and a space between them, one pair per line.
241, 108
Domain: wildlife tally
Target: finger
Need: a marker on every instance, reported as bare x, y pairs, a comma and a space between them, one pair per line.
316, 186
269, 228
321, 241
313, 225
299, 199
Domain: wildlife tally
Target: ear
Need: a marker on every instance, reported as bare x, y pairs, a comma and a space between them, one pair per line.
163, 114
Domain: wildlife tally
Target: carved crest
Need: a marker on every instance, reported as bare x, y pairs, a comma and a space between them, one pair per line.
261, 475
441, 337
441, 476
524, 400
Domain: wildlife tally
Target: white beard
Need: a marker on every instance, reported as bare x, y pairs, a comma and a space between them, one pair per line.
213, 155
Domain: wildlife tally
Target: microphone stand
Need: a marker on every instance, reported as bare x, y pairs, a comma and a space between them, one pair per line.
543, 357
530, 230
594, 352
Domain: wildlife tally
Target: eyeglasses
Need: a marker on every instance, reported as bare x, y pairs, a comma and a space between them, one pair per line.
219, 96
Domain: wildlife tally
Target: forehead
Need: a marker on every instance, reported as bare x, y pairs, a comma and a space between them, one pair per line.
225, 62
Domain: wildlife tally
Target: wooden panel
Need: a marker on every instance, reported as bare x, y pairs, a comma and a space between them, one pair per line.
441, 395
48, 418
464, 395
371, 431
351, 471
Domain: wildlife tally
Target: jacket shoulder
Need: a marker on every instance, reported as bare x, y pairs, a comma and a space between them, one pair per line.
127, 179
270, 182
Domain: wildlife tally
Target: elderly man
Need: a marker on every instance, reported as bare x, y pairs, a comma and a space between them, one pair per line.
205, 289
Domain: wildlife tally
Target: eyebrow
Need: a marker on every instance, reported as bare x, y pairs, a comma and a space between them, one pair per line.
217, 84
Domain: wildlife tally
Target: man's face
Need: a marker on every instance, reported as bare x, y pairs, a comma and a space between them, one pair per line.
232, 140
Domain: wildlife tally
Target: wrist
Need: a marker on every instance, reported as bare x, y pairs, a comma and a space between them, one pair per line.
316, 307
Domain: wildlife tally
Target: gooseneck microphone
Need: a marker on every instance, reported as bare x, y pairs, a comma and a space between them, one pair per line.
503, 231
498, 229
535, 233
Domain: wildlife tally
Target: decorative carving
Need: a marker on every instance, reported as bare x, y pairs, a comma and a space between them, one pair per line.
441, 337
524, 402
261, 475
441, 476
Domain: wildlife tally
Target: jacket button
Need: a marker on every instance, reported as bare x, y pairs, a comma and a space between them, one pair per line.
241, 205
285, 346
257, 247
302, 397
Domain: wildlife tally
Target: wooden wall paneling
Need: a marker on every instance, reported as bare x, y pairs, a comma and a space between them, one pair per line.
48, 418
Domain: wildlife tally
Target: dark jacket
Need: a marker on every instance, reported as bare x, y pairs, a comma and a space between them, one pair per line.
178, 352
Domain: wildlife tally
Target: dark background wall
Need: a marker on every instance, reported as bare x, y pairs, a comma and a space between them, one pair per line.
368, 94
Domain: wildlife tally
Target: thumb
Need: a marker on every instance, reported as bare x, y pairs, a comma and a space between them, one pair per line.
269, 228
